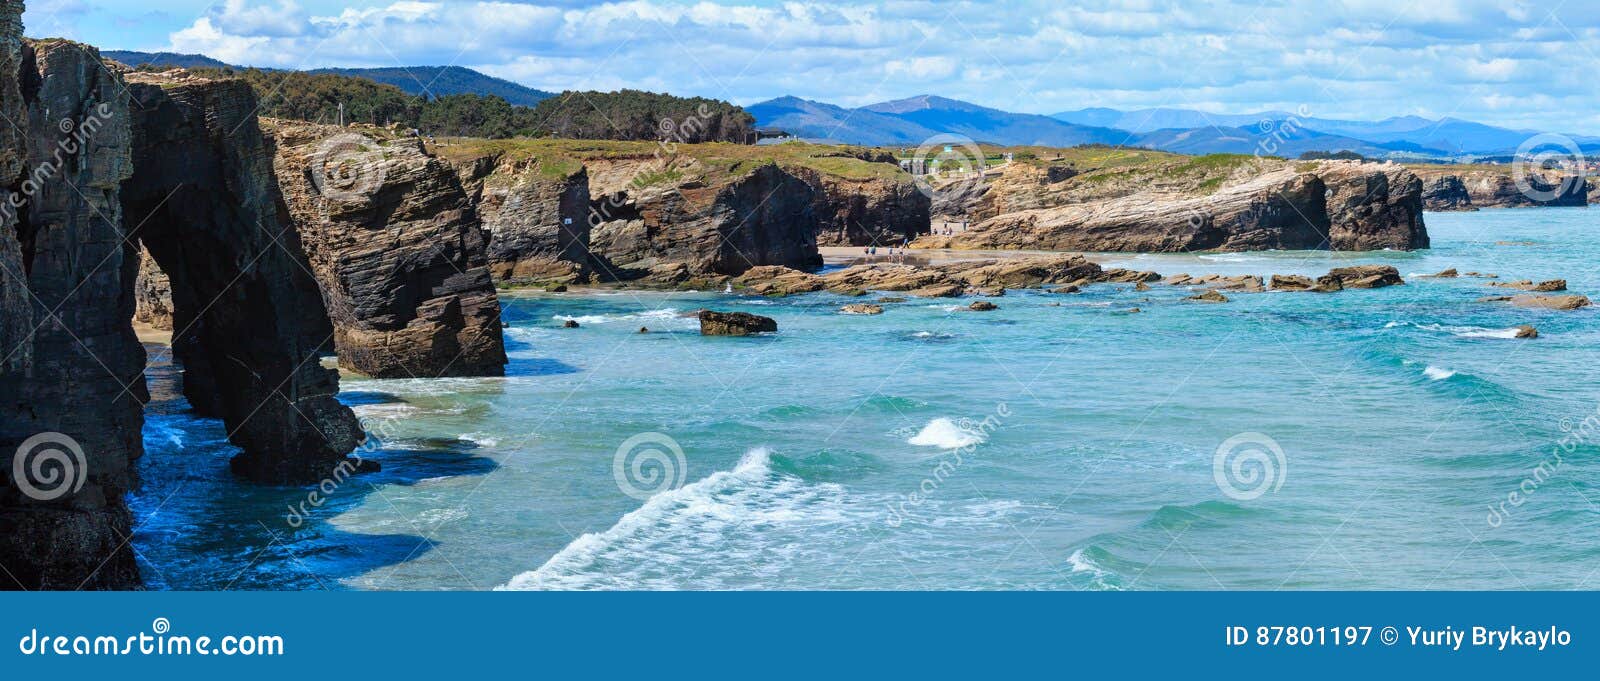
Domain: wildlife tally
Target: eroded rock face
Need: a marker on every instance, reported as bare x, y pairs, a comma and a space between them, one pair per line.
398, 250
537, 216
1278, 210
1497, 188
250, 322
861, 212
152, 294
714, 323
71, 378
1446, 193
763, 217
1372, 207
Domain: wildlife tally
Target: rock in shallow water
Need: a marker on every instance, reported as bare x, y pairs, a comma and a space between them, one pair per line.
714, 323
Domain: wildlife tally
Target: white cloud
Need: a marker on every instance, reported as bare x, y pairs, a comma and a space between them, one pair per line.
1352, 58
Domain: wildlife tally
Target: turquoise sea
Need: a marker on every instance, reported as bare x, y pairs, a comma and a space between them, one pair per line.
1056, 443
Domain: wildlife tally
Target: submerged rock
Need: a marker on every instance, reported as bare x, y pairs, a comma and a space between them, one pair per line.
734, 324
1527, 331
1212, 296
861, 308
776, 280
1566, 302
1364, 276
982, 306
1549, 286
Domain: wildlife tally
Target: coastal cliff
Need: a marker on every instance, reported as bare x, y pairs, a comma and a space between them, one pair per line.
564, 211
1470, 187
1097, 199
397, 248
536, 211
250, 323
72, 391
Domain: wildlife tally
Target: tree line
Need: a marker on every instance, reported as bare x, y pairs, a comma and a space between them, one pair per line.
621, 115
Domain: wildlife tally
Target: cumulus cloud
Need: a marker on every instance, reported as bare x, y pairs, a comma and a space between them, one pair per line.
1349, 58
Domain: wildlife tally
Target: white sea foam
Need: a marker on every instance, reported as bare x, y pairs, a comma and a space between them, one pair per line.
945, 434
1438, 373
663, 314
1460, 331
479, 439
744, 523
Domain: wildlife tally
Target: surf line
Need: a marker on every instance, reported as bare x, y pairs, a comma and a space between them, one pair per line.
948, 464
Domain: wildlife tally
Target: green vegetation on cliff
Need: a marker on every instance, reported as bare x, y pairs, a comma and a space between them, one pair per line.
624, 115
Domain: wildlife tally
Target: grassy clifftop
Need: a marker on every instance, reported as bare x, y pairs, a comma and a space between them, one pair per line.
713, 160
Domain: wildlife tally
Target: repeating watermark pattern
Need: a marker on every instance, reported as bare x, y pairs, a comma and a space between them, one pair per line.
948, 156
49, 466
75, 136
977, 433
348, 167
1543, 152
1576, 434
158, 641
648, 464
1276, 132
379, 431
1249, 465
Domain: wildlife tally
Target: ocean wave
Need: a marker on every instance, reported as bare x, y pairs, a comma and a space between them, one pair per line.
946, 434
1460, 331
480, 439
748, 519
659, 315
1438, 373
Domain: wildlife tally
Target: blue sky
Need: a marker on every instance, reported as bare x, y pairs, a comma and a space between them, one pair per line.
1520, 63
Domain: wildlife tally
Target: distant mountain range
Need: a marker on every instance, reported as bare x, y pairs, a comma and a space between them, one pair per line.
911, 121
907, 122
170, 59
439, 80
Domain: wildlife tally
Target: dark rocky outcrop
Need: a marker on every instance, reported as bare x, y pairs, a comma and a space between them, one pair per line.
1278, 210
537, 214
862, 212
1446, 193
764, 216
734, 324
71, 397
152, 294
1362, 276
1472, 187
1373, 207
250, 323
398, 251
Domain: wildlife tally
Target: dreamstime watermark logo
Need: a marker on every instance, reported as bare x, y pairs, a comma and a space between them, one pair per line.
1275, 132
1249, 465
1543, 152
665, 155
647, 464
1576, 434
75, 137
158, 641
348, 166
49, 466
972, 434
379, 431
952, 157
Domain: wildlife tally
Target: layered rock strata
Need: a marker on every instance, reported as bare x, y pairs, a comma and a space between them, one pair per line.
397, 248
249, 320
71, 394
